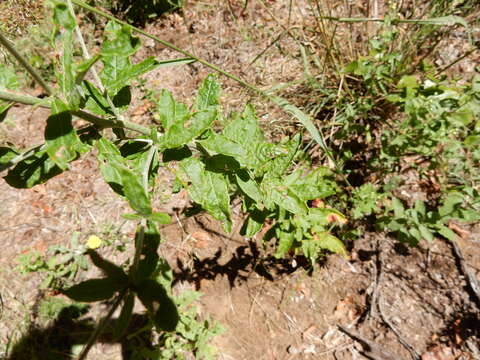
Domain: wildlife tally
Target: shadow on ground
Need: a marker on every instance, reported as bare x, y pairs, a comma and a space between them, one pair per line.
57, 341
246, 259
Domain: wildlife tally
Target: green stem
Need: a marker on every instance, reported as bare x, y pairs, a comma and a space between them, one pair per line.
139, 246
102, 122
11, 49
101, 326
86, 55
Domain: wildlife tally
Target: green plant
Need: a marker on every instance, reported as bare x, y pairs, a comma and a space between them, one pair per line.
215, 167
60, 264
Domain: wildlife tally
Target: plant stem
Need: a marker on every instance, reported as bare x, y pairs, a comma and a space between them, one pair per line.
21, 157
101, 326
143, 223
102, 122
86, 55
11, 49
139, 246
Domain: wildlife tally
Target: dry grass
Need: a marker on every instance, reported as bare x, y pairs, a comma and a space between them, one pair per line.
17, 15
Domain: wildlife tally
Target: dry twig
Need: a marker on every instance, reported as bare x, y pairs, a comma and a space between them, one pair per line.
370, 348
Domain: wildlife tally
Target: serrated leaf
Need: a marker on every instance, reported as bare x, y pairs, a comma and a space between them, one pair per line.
185, 130
277, 192
108, 268
62, 142
285, 243
65, 23
84, 67
134, 190
208, 189
284, 157
243, 140
249, 186
95, 101
94, 290
130, 72
208, 93
119, 41
108, 155
170, 111
118, 70
254, 223
317, 184
121, 325
160, 306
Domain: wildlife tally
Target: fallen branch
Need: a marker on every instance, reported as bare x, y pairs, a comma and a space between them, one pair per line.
414, 354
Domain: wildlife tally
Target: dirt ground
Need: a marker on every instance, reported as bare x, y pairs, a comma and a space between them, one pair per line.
385, 301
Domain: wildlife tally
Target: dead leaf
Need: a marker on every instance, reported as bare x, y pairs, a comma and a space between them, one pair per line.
347, 310
202, 239
464, 234
439, 352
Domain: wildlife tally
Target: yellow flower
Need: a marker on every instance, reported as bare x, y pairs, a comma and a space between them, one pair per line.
94, 242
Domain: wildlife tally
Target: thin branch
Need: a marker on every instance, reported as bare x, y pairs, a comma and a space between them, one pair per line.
371, 349
413, 353
11, 49
102, 122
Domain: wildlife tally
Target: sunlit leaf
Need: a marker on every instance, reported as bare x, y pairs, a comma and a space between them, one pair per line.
208, 93
208, 189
